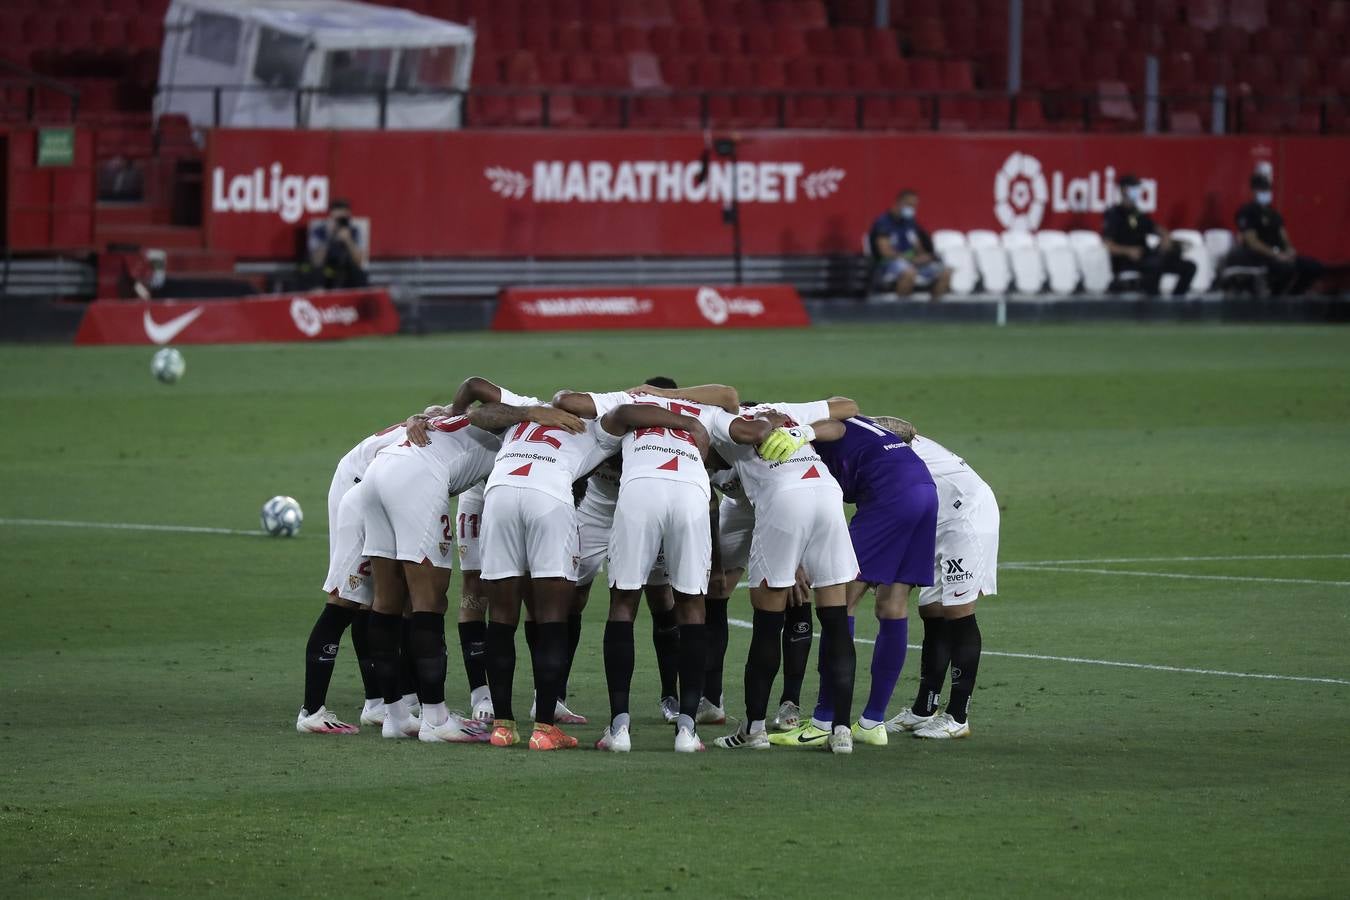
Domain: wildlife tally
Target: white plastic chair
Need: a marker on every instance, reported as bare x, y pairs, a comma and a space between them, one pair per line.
1049, 238
992, 261
1061, 267
1082, 238
1028, 269
1012, 240
1095, 264
1219, 243
961, 261
944, 238
981, 238
1192, 244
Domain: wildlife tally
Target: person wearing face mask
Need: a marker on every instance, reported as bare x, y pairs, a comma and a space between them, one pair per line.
903, 251
1126, 230
335, 256
1264, 242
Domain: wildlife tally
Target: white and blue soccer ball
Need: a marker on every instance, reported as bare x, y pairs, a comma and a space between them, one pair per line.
168, 365
281, 517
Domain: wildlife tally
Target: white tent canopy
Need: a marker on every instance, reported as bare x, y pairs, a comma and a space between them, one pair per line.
311, 63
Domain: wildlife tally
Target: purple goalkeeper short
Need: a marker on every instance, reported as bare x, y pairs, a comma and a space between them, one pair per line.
895, 535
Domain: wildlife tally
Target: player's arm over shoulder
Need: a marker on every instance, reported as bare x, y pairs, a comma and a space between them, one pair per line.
500, 416
723, 396
474, 389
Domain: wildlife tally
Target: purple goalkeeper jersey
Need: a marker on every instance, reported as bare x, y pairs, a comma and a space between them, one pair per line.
870, 462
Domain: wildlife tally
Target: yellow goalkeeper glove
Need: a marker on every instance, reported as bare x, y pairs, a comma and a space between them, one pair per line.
782, 443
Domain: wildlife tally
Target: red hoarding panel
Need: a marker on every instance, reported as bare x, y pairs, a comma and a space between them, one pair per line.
319, 316
560, 194
742, 306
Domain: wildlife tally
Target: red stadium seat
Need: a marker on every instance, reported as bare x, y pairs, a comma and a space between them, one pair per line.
692, 41
633, 39
1185, 121
738, 73
834, 75
925, 75
820, 41
928, 37
759, 42
803, 74
755, 111
789, 41
39, 30
581, 71
487, 70
1249, 15
522, 68
1206, 14
678, 71
709, 72
600, 39
727, 41
687, 12
864, 75
881, 44
850, 43
894, 74
770, 74
956, 75
1030, 115
570, 38
551, 68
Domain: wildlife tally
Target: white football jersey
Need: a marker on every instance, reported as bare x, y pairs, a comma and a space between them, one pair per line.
359, 458
548, 458
729, 483
602, 490
953, 477
459, 454
666, 453
804, 470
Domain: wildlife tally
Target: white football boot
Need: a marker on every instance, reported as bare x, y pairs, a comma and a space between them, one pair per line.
841, 739
943, 728
615, 740
399, 723
322, 722
687, 741
906, 721
743, 740
710, 713
480, 704
789, 716
373, 712
561, 714
454, 730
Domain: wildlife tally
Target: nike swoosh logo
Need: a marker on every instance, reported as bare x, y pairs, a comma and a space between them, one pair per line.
803, 739
798, 640
962, 594
327, 658
162, 334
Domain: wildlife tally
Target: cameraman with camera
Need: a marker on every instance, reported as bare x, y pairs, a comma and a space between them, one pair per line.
337, 258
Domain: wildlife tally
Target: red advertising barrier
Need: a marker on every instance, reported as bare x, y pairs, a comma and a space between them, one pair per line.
628, 193
318, 316
742, 306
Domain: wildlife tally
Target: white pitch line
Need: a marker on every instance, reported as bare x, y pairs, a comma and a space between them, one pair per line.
131, 526
741, 623
1138, 559
1180, 575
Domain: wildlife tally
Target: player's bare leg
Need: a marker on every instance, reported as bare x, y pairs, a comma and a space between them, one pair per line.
321, 652
552, 600
619, 653
386, 644
961, 635
666, 643
503, 596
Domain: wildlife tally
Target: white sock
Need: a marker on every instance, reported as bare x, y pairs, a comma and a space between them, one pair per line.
479, 694
816, 723
756, 727
867, 723
410, 700
620, 721
372, 704
435, 714
397, 712
685, 722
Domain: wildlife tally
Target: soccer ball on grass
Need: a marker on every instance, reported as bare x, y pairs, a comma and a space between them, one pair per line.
168, 365
281, 517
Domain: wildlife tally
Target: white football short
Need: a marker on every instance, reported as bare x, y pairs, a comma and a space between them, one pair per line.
656, 516
593, 527
469, 529
348, 565
735, 525
966, 564
806, 528
406, 511
528, 531
344, 479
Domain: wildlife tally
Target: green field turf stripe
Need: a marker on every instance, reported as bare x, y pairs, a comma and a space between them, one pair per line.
741, 623
131, 526
1188, 577
1137, 559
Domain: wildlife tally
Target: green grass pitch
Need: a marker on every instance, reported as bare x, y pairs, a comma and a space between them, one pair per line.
149, 680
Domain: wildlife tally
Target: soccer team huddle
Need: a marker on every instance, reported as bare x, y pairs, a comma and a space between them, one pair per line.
676, 493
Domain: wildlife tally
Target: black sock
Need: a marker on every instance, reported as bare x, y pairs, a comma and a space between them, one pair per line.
361, 644
693, 661
386, 635
407, 676
321, 653
666, 641
933, 661
427, 641
573, 639
473, 647
839, 660
963, 639
550, 661
761, 666
531, 634
618, 665
500, 665
716, 616
796, 651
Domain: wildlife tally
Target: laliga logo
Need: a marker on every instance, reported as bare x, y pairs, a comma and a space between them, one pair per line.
290, 196
1021, 193
717, 309
310, 319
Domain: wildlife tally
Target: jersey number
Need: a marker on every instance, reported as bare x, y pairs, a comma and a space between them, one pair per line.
446, 531
540, 435
679, 409
467, 522
875, 429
